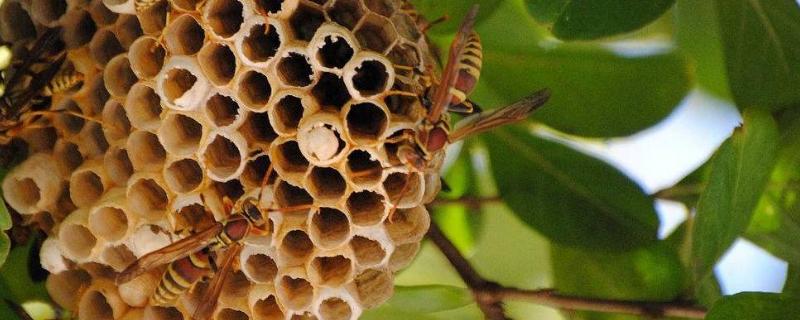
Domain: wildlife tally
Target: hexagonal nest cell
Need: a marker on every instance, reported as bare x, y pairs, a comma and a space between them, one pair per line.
187, 106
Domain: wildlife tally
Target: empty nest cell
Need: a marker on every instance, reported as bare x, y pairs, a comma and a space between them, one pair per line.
261, 268
335, 309
363, 168
268, 6
147, 57
295, 248
366, 123
117, 126
290, 197
184, 35
335, 52
76, 241
404, 189
329, 228
184, 175
373, 287
119, 77
187, 5
223, 157
231, 314
287, 158
261, 43
346, 12
94, 305
177, 85
371, 78
224, 16
78, 28
287, 113
117, 257
403, 255
67, 157
366, 207
16, 24
258, 130
367, 252
128, 29
268, 309
331, 91
104, 46
381, 7
101, 14
154, 18
376, 33
181, 134
147, 198
118, 165
331, 271
295, 293
218, 63
146, 151
408, 225
255, 170
90, 184
96, 97
143, 107
254, 90
109, 222
222, 110
326, 184
294, 69
305, 20
63, 285
91, 140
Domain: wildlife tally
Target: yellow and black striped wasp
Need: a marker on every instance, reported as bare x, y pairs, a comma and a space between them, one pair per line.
209, 253
30, 83
416, 149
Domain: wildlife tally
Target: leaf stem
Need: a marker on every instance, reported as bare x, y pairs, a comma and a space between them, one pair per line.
490, 296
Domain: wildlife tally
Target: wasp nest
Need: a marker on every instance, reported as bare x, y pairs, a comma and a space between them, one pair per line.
183, 98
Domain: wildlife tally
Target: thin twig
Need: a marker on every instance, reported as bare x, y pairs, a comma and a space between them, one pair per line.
490, 296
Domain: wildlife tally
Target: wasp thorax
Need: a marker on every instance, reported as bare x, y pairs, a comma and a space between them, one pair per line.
289, 109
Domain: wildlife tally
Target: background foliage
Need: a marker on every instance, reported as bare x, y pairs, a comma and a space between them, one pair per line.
571, 221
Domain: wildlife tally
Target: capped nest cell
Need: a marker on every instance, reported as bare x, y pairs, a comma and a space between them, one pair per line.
188, 102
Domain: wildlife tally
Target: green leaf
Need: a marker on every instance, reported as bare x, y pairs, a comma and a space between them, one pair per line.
16, 283
5, 247
761, 40
792, 284
647, 274
739, 172
571, 198
458, 221
6, 312
688, 190
546, 11
755, 306
429, 299
697, 35
594, 92
593, 19
418, 302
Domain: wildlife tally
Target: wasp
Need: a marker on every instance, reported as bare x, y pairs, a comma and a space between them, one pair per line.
207, 254
30, 84
416, 149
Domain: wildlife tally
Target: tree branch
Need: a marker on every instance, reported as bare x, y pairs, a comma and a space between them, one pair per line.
490, 296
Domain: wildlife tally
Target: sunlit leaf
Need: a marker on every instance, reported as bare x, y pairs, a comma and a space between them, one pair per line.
761, 40
419, 302
571, 198
647, 274
739, 172
593, 19
755, 306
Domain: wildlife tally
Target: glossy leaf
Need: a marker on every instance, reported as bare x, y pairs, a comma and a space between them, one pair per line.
593, 19
594, 92
648, 274
755, 306
571, 198
458, 221
776, 222
546, 11
697, 35
739, 172
761, 40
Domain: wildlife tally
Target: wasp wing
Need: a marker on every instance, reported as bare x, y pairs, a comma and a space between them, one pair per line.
491, 119
172, 252
208, 302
